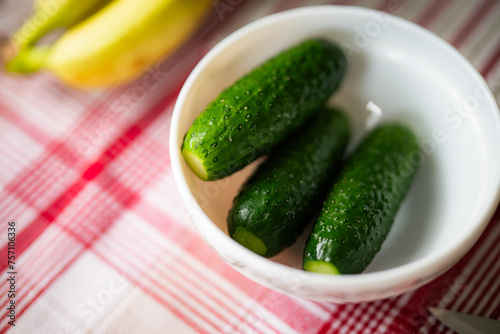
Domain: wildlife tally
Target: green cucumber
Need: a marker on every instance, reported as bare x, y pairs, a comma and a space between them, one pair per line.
259, 110
360, 208
280, 198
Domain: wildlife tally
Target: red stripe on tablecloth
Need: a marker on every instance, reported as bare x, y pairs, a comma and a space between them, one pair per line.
408, 317
28, 90
401, 321
343, 316
393, 305
20, 312
473, 21
125, 203
28, 183
416, 313
184, 231
171, 282
343, 311
206, 30
33, 230
122, 191
25, 125
155, 217
479, 285
351, 315
165, 225
491, 61
285, 5
491, 294
47, 216
39, 267
42, 271
158, 218
60, 88
327, 324
102, 228
115, 188
144, 272
50, 84
139, 235
37, 270
432, 13
327, 306
384, 6
380, 312
466, 285
10, 158
495, 313
91, 173
67, 155
137, 280
201, 251
355, 315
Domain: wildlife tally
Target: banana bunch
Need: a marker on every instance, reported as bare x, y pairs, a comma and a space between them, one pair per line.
108, 42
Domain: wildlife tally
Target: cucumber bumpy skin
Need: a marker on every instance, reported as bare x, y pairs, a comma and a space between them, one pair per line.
281, 197
259, 110
360, 208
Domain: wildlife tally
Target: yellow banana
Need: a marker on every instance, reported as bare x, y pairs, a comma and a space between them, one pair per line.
118, 43
53, 14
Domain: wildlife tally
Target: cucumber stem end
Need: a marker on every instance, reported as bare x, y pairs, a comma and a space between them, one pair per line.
196, 164
249, 240
321, 267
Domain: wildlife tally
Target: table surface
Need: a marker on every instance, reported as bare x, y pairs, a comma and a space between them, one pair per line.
103, 242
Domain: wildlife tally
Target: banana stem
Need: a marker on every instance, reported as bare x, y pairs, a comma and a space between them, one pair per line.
32, 30
29, 59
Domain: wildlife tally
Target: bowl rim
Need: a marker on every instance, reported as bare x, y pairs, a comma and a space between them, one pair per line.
425, 268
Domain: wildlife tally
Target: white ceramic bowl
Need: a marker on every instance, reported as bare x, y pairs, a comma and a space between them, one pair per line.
415, 78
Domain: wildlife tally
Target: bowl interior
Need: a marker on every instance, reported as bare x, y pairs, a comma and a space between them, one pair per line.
414, 78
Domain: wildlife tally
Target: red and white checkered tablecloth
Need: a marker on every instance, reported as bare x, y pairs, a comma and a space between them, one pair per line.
103, 244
